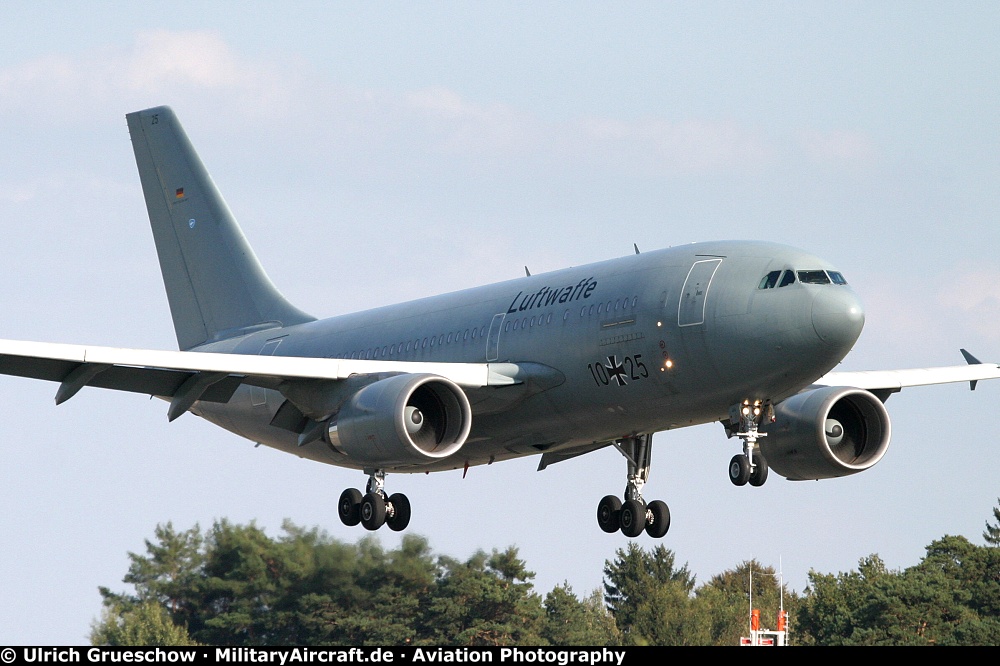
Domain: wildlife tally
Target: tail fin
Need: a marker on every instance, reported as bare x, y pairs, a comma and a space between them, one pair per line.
215, 285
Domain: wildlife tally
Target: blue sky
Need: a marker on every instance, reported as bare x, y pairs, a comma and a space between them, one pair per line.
375, 153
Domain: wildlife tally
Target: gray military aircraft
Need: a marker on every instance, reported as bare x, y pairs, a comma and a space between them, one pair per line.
559, 364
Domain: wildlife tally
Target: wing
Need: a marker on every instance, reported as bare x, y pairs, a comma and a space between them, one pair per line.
886, 382
186, 377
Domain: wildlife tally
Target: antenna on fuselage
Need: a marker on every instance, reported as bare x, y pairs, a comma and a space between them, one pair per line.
636, 248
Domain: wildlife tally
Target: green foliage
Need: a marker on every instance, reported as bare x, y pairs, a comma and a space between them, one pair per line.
571, 621
950, 598
144, 623
635, 571
728, 599
992, 533
235, 585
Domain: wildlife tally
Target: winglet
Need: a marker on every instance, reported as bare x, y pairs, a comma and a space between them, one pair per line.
971, 360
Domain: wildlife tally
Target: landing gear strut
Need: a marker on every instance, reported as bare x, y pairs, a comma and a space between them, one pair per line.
633, 515
374, 508
750, 466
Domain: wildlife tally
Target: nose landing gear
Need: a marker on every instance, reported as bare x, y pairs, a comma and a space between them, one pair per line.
633, 515
750, 466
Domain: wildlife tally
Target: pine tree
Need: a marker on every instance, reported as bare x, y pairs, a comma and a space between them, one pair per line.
992, 533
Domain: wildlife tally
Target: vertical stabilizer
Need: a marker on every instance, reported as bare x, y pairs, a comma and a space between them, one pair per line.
215, 285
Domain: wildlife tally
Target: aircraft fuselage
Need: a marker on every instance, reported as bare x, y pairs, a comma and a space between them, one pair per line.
641, 343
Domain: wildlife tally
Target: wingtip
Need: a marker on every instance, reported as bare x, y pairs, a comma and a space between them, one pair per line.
969, 358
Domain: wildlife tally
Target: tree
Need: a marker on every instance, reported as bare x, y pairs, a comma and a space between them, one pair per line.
644, 592
727, 599
992, 533
145, 623
952, 597
486, 600
166, 573
572, 621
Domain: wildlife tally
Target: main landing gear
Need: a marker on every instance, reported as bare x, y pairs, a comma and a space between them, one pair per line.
750, 466
633, 515
374, 508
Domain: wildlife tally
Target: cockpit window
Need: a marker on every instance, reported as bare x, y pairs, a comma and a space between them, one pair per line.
814, 277
783, 279
769, 281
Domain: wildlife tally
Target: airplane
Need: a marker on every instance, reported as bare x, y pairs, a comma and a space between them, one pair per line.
557, 364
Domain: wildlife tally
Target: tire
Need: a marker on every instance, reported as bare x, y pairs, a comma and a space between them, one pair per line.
608, 512
372, 511
349, 507
739, 470
759, 474
400, 512
633, 518
659, 519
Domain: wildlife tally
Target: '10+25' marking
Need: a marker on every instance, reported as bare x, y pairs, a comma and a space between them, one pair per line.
631, 367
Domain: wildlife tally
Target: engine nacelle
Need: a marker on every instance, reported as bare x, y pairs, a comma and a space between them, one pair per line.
825, 433
406, 419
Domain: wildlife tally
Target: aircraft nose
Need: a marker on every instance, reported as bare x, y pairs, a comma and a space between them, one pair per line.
837, 316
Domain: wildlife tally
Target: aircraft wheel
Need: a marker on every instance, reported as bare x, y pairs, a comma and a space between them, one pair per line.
759, 474
739, 470
400, 517
658, 519
633, 518
349, 507
372, 511
608, 511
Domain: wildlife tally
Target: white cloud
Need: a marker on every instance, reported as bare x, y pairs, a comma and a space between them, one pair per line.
160, 62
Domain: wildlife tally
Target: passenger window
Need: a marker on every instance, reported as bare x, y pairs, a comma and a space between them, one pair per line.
836, 277
769, 281
787, 279
813, 277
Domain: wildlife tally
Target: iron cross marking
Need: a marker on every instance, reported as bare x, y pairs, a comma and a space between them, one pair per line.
616, 371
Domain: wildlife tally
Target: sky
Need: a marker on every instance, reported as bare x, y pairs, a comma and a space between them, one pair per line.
378, 152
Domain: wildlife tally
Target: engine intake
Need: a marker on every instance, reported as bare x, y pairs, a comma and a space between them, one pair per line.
826, 433
406, 419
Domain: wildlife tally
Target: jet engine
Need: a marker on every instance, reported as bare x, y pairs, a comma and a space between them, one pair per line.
825, 433
405, 419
